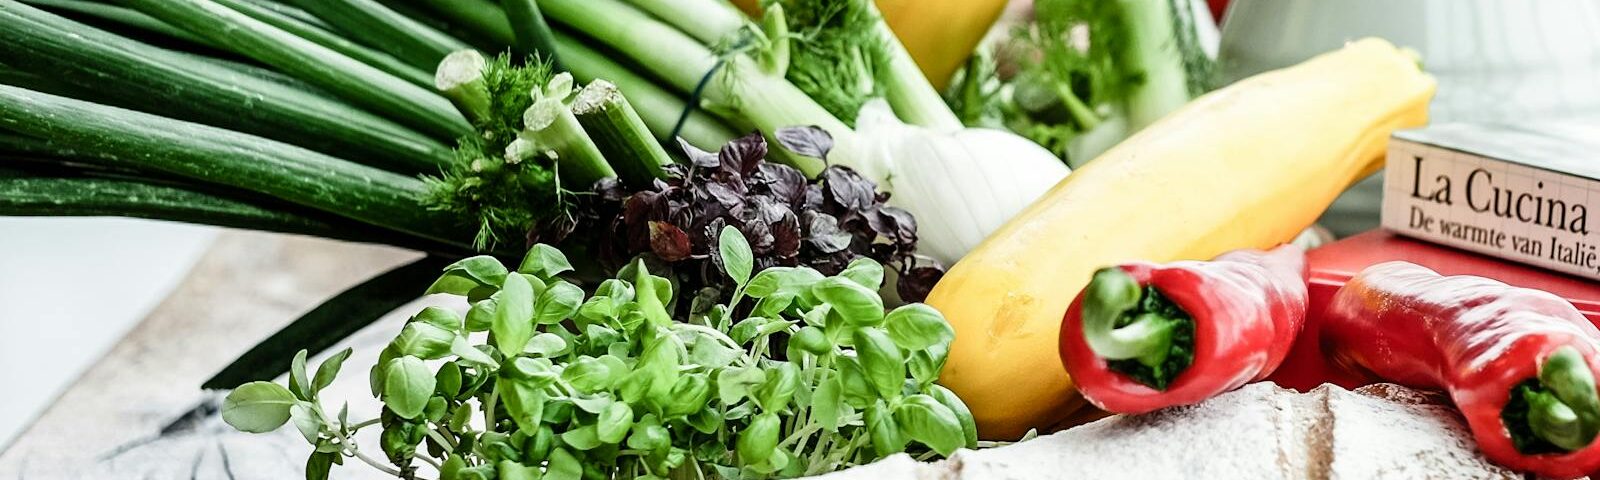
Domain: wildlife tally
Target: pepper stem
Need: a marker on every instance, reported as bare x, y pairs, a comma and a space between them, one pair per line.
1111, 295
1568, 414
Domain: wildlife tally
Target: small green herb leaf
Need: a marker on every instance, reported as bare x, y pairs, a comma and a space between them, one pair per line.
481, 317
826, 403
513, 315
484, 269
969, 426
563, 466
299, 384
881, 361
856, 304
407, 384
590, 375
735, 252
583, 438
440, 317
558, 302
470, 354
887, 439
524, 401
329, 369
319, 464
613, 422
864, 271
447, 381
759, 439
545, 262
306, 421
927, 421
424, 340
546, 344
917, 326
257, 407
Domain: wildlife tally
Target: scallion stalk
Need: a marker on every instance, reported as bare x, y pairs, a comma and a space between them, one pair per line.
659, 108
460, 78
383, 28
145, 142
348, 78
367, 55
481, 16
122, 16
56, 50
552, 128
708, 21
533, 37
620, 134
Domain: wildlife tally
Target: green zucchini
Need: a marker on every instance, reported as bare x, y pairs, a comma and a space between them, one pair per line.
343, 76
147, 78
129, 139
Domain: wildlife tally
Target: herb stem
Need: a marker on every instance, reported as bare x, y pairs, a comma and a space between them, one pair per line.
356, 452
364, 424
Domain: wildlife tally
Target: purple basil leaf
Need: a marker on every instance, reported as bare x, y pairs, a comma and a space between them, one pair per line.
697, 157
786, 235
917, 282
807, 141
785, 183
740, 156
668, 241
824, 233
847, 189
712, 236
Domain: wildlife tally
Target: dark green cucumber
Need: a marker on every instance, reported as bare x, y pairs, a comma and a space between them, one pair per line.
177, 85
210, 155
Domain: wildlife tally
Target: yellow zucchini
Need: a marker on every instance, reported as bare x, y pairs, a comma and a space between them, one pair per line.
1249, 165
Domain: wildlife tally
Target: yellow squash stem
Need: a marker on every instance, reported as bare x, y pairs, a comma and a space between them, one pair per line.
1249, 165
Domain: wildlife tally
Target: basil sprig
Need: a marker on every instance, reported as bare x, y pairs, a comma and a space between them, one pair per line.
543, 380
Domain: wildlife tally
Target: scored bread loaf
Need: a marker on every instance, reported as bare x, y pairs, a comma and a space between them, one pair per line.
1260, 431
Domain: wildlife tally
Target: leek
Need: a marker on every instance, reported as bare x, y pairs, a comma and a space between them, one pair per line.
552, 128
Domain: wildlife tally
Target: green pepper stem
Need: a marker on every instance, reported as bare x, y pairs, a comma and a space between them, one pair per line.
1110, 295
1568, 415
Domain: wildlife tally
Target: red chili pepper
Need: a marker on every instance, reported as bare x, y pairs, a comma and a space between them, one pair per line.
1143, 336
1519, 363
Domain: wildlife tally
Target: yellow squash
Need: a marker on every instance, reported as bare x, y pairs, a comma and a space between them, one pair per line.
1249, 165
939, 34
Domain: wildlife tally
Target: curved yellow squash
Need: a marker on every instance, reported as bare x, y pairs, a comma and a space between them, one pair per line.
1249, 165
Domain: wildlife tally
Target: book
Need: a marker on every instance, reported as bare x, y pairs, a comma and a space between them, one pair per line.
1523, 193
1334, 264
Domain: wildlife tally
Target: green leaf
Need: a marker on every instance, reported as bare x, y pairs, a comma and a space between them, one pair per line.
887, 439
617, 290
563, 466
652, 295
856, 304
513, 315
483, 269
460, 347
733, 384
558, 302
511, 470
328, 370
407, 384
546, 344
881, 362
524, 401
583, 438
306, 421
299, 384
864, 271
826, 403
924, 419
424, 340
710, 353
614, 422
759, 439
783, 378
319, 464
257, 407
776, 280
330, 322
747, 329
452, 284
545, 262
858, 389
539, 370
925, 364
592, 404
649, 435
917, 326
811, 340
589, 375
691, 394
447, 381
969, 426
736, 257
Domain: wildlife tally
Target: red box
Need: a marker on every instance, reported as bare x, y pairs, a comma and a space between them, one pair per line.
1333, 264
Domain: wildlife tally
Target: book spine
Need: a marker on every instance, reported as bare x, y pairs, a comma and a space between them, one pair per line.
1493, 207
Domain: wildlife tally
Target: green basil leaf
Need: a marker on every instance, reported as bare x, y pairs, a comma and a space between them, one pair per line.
827, 402
453, 283
617, 290
705, 421
546, 344
483, 269
299, 384
881, 362
545, 262
319, 464
710, 353
460, 347
511, 470
328, 370
689, 395
735, 252
864, 271
481, 316
887, 439
598, 309
811, 340
917, 326
649, 435
733, 384
447, 381
524, 401
858, 390
852, 302
758, 439
257, 407
589, 375
925, 364
773, 305
424, 340
538, 370
306, 421
592, 404
439, 317
783, 378
817, 316
563, 466
513, 315
583, 438
613, 423
924, 419
407, 384
558, 411
747, 329
652, 295
969, 426
558, 302
782, 280
537, 448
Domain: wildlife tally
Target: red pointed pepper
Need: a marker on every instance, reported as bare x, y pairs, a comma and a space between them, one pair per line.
1144, 336
1519, 363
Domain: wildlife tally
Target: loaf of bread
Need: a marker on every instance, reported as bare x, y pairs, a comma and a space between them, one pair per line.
1260, 431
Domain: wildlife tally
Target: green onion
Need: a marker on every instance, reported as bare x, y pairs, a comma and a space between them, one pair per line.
551, 127
708, 21
533, 35
126, 138
460, 78
122, 16
56, 50
381, 60
659, 108
481, 16
622, 136
350, 79
381, 27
